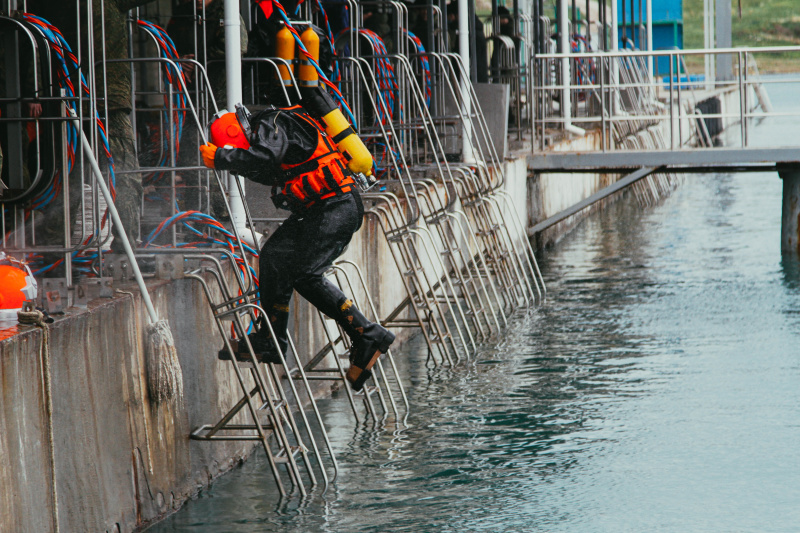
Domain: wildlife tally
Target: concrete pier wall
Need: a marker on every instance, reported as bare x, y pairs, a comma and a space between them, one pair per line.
118, 459
550, 193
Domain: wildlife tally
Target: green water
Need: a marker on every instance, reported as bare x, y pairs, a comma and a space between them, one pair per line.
657, 390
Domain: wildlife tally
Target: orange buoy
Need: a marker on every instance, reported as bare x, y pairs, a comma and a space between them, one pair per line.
16, 286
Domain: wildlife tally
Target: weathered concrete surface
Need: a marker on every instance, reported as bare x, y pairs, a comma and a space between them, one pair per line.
119, 460
26, 468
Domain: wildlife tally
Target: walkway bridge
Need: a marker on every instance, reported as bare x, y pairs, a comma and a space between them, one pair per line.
632, 122
671, 122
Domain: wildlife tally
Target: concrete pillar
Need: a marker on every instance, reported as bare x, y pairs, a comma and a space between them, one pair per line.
790, 218
724, 40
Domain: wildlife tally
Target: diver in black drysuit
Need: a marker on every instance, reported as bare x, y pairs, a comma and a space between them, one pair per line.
288, 147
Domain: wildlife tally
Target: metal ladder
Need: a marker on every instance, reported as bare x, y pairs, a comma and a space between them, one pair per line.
428, 310
338, 346
422, 291
268, 401
483, 184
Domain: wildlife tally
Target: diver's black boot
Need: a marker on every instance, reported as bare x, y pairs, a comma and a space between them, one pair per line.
261, 341
369, 340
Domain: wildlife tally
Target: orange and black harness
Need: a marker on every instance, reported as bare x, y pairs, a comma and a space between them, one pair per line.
324, 175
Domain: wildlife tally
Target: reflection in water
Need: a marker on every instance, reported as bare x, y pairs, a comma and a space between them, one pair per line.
655, 391
790, 266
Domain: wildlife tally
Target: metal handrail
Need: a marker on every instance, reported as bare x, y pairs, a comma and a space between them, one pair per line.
667, 53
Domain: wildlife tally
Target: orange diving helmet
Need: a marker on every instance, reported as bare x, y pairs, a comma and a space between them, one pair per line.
226, 131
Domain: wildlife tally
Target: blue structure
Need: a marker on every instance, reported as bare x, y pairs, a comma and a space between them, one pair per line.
667, 27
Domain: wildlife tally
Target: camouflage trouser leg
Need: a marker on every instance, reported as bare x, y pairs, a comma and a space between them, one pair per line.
129, 186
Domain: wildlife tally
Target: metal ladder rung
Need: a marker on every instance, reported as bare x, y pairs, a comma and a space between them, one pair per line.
403, 323
330, 369
321, 378
277, 403
201, 432
368, 390
228, 314
310, 374
282, 458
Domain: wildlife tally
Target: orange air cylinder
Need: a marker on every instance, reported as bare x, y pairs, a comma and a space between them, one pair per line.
284, 48
308, 76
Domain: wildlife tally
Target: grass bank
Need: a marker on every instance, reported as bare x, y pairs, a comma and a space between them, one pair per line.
763, 23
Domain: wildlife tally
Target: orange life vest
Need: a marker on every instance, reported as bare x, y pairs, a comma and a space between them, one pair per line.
323, 175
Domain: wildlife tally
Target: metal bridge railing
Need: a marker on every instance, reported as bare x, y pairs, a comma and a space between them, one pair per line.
616, 93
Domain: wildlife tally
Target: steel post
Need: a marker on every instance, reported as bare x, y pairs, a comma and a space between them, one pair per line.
233, 68
463, 51
790, 217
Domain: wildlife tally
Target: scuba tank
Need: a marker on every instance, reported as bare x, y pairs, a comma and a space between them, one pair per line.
284, 48
308, 76
322, 107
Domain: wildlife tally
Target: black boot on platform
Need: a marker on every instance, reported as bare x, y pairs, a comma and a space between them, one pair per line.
261, 341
